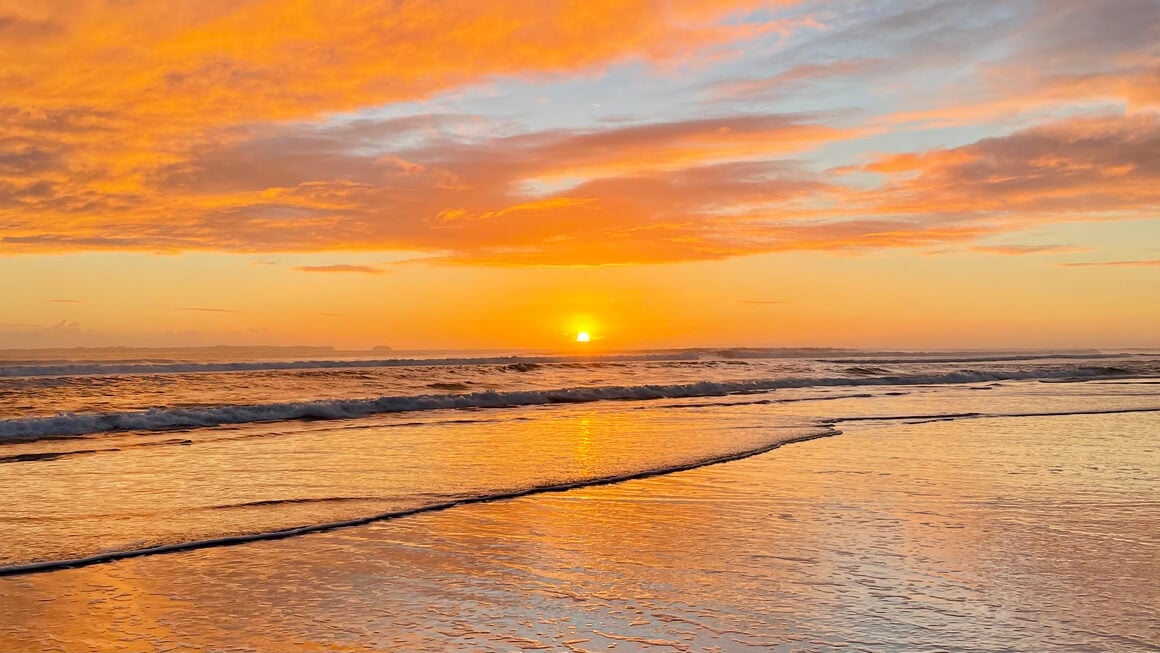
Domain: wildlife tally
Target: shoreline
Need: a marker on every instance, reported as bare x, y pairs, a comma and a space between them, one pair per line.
899, 536
57, 565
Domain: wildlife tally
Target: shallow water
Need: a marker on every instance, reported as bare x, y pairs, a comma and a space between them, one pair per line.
908, 532
990, 534
121, 492
143, 491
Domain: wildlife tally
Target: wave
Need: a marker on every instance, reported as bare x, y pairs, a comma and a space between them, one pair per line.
1007, 358
161, 419
864, 370
950, 417
509, 363
513, 363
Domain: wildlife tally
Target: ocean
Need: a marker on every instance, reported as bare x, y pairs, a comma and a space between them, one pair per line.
665, 499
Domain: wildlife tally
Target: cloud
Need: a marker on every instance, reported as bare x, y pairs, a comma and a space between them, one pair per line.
1015, 91
363, 269
1057, 62
113, 99
20, 30
66, 301
1132, 264
1023, 250
203, 309
62, 325
620, 194
74, 243
222, 63
790, 80
307, 188
761, 302
202, 130
1085, 167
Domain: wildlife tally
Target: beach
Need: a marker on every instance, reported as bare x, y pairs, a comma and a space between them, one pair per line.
1015, 515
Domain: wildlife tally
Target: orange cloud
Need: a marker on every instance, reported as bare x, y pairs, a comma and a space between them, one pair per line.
362, 269
304, 188
216, 125
677, 145
105, 94
1014, 91
1093, 167
224, 62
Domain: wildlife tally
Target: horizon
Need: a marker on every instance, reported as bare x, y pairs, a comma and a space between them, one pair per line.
581, 351
657, 175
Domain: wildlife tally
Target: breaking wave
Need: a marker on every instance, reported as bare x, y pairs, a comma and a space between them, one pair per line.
159, 419
523, 363
510, 363
872, 360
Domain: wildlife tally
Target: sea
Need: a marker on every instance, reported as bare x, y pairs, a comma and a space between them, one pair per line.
702, 499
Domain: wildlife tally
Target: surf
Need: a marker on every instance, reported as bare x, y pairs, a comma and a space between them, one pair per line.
159, 419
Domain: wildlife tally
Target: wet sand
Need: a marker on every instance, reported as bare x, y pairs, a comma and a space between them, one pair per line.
992, 534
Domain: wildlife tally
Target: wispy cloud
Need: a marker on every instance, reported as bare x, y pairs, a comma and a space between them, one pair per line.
62, 325
761, 302
1023, 250
205, 309
1125, 264
66, 301
787, 81
362, 269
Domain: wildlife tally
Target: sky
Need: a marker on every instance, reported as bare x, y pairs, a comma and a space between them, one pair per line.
504, 174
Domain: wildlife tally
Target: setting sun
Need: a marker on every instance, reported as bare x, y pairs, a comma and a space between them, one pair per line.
583, 337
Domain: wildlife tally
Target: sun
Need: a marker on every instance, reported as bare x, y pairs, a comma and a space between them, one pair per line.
583, 337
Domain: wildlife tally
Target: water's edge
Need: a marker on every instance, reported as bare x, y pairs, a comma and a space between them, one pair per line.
823, 431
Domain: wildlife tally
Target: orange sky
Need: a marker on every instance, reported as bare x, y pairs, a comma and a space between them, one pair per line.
502, 174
